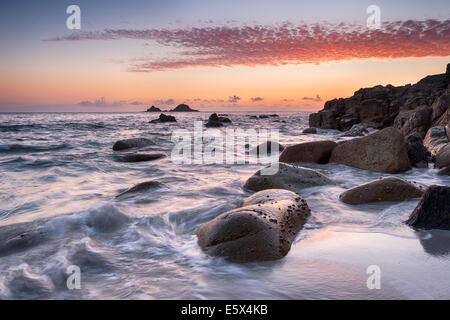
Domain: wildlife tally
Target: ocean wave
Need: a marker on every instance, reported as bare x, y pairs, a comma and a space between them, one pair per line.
15, 147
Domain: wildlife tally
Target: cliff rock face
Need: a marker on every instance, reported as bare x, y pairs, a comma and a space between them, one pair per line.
408, 108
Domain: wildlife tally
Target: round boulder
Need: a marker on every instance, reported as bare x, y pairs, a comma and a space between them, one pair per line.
383, 151
386, 189
288, 177
263, 229
141, 157
316, 152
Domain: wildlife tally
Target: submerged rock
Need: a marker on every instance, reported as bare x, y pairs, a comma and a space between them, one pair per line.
288, 177
433, 210
442, 158
141, 157
386, 189
315, 152
310, 130
267, 147
132, 143
164, 118
383, 151
262, 229
141, 187
417, 153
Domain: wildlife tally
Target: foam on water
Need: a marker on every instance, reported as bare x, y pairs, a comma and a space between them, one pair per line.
60, 179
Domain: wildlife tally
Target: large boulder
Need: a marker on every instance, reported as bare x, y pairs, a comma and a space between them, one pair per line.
436, 139
433, 210
316, 152
132, 143
263, 229
386, 189
383, 151
417, 153
417, 120
288, 177
442, 158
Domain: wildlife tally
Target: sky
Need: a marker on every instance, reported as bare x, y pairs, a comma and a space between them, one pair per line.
212, 55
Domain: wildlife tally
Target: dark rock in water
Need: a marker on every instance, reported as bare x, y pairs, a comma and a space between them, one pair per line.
408, 108
417, 153
267, 148
132, 143
141, 157
383, 151
153, 109
315, 152
216, 121
386, 189
287, 177
444, 172
183, 108
164, 118
263, 229
433, 210
141, 187
310, 130
436, 139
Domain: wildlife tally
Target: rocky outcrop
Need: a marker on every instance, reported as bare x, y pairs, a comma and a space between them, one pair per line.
267, 148
383, 151
417, 153
164, 118
435, 140
183, 108
442, 158
409, 108
288, 177
316, 152
153, 109
141, 157
141, 187
215, 121
132, 143
357, 130
433, 211
386, 189
263, 229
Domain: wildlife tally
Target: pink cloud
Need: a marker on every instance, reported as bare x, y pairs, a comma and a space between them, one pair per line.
283, 44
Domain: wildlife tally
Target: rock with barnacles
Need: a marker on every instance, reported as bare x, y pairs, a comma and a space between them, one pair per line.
262, 229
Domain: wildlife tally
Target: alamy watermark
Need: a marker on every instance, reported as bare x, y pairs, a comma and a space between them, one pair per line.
374, 18
74, 280
73, 22
374, 280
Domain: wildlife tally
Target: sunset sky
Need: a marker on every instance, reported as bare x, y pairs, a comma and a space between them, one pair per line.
213, 55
